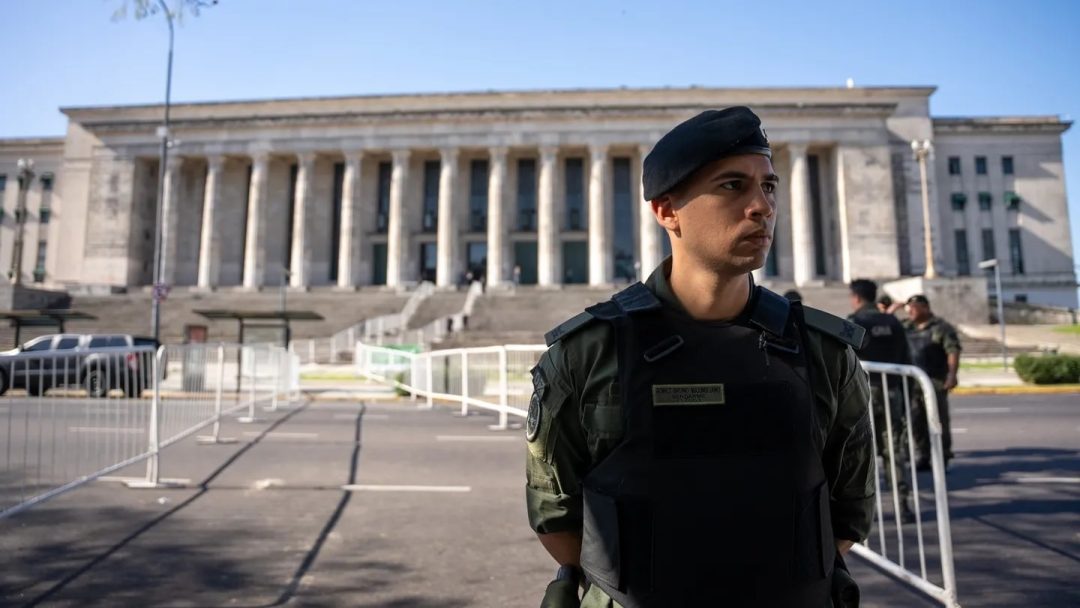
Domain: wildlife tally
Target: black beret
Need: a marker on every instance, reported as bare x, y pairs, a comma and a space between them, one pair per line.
700, 140
918, 299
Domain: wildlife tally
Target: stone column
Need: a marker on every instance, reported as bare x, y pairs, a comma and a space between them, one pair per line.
299, 261
802, 224
209, 247
649, 232
599, 244
395, 230
254, 247
496, 225
348, 243
170, 212
446, 227
548, 268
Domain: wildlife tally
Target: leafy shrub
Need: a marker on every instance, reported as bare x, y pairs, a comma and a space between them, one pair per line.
400, 378
1048, 369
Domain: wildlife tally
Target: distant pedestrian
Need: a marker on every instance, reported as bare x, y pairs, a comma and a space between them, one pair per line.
517, 275
886, 343
935, 347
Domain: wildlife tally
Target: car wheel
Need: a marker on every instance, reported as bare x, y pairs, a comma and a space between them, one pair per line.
96, 383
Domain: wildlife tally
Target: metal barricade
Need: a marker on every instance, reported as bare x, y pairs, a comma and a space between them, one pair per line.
894, 545
493, 378
70, 417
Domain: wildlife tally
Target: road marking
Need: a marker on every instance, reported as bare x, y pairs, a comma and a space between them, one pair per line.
103, 429
478, 438
365, 416
271, 482
960, 431
382, 488
982, 410
282, 435
1048, 479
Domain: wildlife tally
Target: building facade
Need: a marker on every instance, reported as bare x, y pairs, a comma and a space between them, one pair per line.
540, 187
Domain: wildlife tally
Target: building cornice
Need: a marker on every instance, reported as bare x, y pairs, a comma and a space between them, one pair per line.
953, 125
9, 144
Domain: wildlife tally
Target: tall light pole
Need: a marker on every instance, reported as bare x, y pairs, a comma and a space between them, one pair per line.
26, 178
163, 133
993, 263
922, 148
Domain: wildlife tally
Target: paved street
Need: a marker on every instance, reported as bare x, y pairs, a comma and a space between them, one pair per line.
435, 517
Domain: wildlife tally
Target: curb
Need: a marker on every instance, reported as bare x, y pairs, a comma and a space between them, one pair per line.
1027, 389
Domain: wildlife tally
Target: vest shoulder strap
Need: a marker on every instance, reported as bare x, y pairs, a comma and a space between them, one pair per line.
832, 325
771, 312
568, 327
636, 298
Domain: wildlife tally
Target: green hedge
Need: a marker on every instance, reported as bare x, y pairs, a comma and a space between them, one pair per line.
1048, 369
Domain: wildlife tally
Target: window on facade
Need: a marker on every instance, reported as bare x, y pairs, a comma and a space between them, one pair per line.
431, 196
959, 201
980, 165
988, 244
963, 263
478, 195
575, 194
623, 237
1007, 165
382, 219
429, 261
47, 182
526, 195
39, 266
44, 216
985, 201
1012, 200
1016, 251
1021, 298
954, 165
3, 182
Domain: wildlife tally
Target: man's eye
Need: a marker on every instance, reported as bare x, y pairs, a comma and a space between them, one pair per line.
734, 185
769, 187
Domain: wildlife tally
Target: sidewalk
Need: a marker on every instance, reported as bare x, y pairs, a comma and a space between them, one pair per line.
1027, 337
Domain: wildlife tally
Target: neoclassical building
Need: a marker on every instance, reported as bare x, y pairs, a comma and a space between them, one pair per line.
541, 186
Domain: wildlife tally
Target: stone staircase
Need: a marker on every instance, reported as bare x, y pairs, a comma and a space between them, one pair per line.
438, 304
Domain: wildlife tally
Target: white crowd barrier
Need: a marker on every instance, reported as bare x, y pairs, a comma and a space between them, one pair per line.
70, 417
494, 378
895, 546
497, 379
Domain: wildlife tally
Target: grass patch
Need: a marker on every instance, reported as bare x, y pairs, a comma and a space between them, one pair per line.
1073, 330
981, 365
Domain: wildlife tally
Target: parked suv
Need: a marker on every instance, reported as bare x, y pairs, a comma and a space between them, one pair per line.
96, 362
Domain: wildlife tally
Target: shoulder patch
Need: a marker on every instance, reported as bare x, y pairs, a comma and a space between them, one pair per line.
536, 405
568, 327
841, 329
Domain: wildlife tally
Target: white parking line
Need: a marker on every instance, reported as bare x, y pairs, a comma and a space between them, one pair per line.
960, 431
384, 488
103, 429
982, 410
477, 438
282, 435
1048, 479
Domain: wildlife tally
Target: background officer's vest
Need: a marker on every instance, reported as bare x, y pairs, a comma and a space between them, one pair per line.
716, 495
926, 354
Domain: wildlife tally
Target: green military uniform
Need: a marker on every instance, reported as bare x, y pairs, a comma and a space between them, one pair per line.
931, 343
580, 422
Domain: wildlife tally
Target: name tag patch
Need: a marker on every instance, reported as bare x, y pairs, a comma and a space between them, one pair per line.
687, 394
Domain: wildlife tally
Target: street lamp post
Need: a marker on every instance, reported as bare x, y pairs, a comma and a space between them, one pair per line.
921, 148
26, 178
163, 133
993, 263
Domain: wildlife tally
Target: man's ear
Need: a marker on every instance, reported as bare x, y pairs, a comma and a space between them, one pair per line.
663, 208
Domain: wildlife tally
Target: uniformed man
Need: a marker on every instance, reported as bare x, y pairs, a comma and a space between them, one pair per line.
697, 440
885, 342
935, 347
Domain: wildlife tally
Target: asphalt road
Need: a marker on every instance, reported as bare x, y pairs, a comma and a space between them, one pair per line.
434, 517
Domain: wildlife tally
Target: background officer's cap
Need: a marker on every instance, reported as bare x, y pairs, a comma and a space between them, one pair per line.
918, 299
704, 138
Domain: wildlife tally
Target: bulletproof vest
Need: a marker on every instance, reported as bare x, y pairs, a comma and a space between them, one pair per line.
926, 354
716, 495
883, 334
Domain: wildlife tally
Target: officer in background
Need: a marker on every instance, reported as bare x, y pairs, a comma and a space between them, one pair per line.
697, 440
935, 347
885, 342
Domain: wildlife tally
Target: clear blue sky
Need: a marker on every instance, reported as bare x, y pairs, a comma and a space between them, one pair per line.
987, 57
